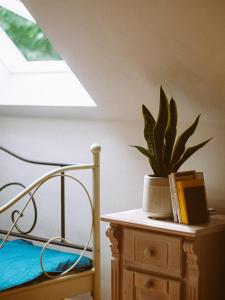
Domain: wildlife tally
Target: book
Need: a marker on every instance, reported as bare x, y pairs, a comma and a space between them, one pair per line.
173, 178
173, 201
182, 204
192, 201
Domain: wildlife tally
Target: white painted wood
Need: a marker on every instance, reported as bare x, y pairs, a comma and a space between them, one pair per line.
41, 180
139, 219
95, 149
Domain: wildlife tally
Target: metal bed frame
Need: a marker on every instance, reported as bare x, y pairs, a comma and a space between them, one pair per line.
71, 284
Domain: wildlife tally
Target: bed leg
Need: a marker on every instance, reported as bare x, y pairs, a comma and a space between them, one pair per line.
95, 149
96, 295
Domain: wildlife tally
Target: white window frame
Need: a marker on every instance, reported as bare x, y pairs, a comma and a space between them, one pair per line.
69, 91
11, 55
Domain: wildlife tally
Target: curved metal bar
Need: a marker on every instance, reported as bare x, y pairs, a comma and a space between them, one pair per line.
15, 222
43, 179
66, 241
36, 162
52, 239
17, 212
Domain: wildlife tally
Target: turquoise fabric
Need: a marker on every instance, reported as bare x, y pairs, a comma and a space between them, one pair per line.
20, 263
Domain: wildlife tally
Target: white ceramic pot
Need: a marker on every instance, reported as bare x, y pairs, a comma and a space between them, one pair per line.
156, 197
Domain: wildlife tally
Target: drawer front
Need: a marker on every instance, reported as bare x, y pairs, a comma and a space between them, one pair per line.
139, 286
150, 251
150, 283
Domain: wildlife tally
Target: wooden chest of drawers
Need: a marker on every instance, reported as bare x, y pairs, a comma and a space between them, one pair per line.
158, 260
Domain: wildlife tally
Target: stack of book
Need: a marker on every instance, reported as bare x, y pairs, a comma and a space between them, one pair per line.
188, 197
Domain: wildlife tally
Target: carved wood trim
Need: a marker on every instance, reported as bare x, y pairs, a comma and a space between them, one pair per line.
191, 250
113, 233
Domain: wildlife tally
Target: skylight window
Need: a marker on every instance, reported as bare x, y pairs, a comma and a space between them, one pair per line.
30, 59
27, 36
24, 47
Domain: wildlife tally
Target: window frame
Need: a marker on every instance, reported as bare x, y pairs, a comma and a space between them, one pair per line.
14, 59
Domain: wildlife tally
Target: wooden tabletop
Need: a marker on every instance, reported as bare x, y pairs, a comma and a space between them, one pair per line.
138, 218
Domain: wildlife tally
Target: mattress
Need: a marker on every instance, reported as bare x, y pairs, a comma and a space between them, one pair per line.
20, 263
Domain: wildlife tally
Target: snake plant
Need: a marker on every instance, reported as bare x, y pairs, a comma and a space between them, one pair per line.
165, 153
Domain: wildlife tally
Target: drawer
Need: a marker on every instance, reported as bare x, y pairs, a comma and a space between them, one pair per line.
140, 286
151, 251
150, 283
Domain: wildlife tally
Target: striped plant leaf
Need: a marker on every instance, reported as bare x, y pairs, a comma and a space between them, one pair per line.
170, 135
181, 142
190, 151
142, 150
166, 154
147, 115
160, 129
146, 153
148, 129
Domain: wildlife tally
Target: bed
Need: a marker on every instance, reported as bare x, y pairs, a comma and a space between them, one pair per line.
29, 270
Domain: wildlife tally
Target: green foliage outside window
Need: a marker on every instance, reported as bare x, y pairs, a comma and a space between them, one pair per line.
27, 36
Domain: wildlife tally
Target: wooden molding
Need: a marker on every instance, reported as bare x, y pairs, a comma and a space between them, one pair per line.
191, 250
113, 233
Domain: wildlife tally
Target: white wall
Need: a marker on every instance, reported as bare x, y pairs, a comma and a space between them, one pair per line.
122, 168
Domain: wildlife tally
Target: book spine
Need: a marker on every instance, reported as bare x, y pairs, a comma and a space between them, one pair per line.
199, 175
174, 207
181, 199
175, 196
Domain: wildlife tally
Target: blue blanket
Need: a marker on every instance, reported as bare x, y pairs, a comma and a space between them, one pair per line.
20, 263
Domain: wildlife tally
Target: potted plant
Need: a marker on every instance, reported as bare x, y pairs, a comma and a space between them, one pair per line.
165, 154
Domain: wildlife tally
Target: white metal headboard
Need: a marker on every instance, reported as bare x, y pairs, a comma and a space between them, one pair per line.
94, 205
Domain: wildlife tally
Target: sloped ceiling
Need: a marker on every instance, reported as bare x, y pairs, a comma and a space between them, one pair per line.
123, 50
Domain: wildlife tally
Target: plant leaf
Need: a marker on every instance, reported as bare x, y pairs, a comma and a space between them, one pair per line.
160, 129
148, 129
190, 151
181, 142
147, 115
170, 135
146, 153
142, 150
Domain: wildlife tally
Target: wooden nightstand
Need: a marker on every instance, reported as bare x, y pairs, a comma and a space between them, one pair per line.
160, 260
